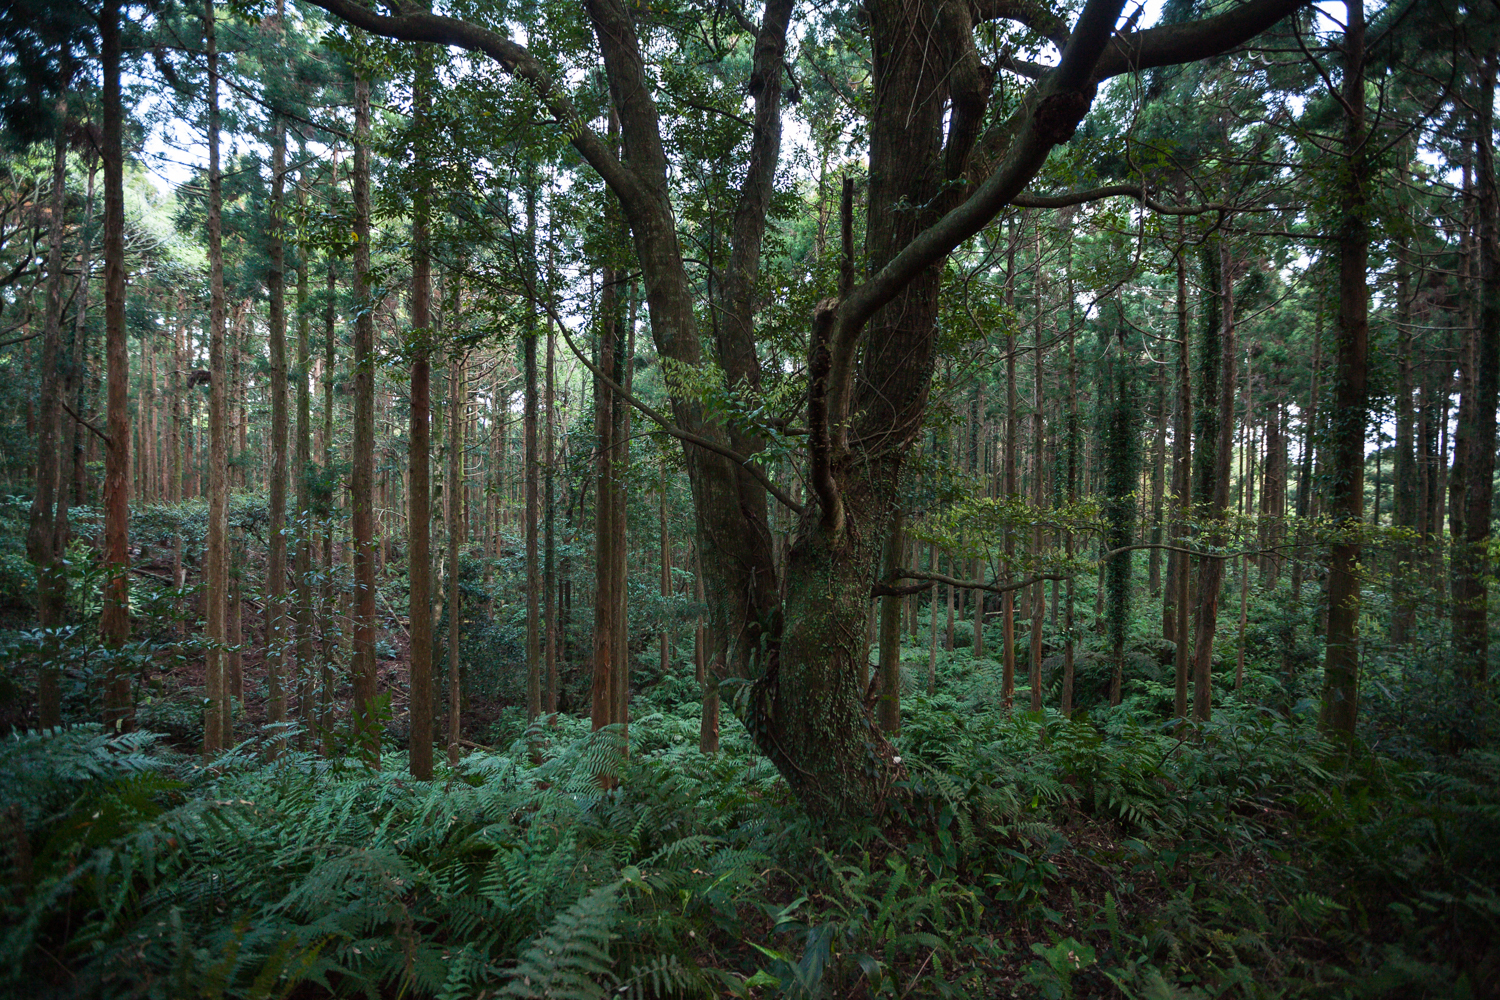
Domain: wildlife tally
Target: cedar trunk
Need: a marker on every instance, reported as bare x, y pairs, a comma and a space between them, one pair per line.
1471, 561
419, 457
1350, 397
362, 470
216, 721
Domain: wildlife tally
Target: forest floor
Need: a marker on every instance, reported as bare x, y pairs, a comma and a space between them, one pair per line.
1109, 855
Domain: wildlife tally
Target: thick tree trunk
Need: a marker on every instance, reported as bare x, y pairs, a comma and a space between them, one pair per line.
76, 479
708, 723
216, 722
362, 466
1346, 491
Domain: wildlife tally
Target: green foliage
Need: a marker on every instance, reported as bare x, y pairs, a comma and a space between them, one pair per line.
1056, 857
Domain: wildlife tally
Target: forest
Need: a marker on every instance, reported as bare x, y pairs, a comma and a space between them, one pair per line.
684, 498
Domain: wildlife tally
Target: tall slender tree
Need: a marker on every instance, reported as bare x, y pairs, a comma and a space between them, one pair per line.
362, 470
217, 719
1476, 414
114, 619
1346, 493
419, 442
277, 624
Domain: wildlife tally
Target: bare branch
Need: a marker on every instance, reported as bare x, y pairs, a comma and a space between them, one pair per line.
883, 589
1028, 200
102, 436
1170, 44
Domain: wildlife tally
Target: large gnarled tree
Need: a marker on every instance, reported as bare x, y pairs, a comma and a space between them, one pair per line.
941, 168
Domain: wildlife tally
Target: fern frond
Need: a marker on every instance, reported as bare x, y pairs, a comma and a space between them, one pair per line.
570, 959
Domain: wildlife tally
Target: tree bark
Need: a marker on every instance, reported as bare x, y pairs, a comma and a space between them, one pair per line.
1351, 403
419, 447
665, 560
217, 720
550, 590
457, 393
302, 569
1157, 512
277, 625
1407, 490
1179, 570
331, 633
1471, 559
1211, 479
1038, 484
602, 709
50, 494
114, 620
362, 465
533, 468
888, 705
619, 508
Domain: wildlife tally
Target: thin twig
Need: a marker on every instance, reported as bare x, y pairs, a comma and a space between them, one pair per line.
103, 436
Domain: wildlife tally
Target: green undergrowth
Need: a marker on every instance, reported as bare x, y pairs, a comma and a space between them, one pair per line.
1032, 857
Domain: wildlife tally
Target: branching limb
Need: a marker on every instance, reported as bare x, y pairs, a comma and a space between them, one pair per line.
1170, 44
1021, 67
1029, 13
883, 589
666, 425
1028, 200
419, 26
102, 436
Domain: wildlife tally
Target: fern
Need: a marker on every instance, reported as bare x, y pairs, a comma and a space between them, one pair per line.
570, 959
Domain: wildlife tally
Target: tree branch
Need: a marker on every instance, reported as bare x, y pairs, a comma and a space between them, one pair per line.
19, 340
1021, 67
1028, 200
102, 436
1029, 14
672, 429
1050, 113
883, 589
1170, 44
420, 26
